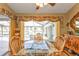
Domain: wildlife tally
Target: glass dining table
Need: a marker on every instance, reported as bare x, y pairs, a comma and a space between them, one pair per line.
35, 49
31, 52
36, 52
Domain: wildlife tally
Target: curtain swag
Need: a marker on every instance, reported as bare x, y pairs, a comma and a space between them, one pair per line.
39, 18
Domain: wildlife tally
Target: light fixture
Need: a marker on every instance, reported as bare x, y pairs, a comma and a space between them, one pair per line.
45, 3
38, 5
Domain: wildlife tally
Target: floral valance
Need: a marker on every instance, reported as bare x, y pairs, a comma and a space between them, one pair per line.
39, 18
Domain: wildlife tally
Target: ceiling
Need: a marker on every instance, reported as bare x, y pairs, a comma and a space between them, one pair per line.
31, 8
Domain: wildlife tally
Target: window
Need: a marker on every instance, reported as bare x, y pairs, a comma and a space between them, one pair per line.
4, 30
4, 34
46, 28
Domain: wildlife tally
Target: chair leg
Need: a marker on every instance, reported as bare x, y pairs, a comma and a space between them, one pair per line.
69, 54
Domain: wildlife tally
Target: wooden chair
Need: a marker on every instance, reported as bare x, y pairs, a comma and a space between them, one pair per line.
58, 47
72, 45
14, 45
